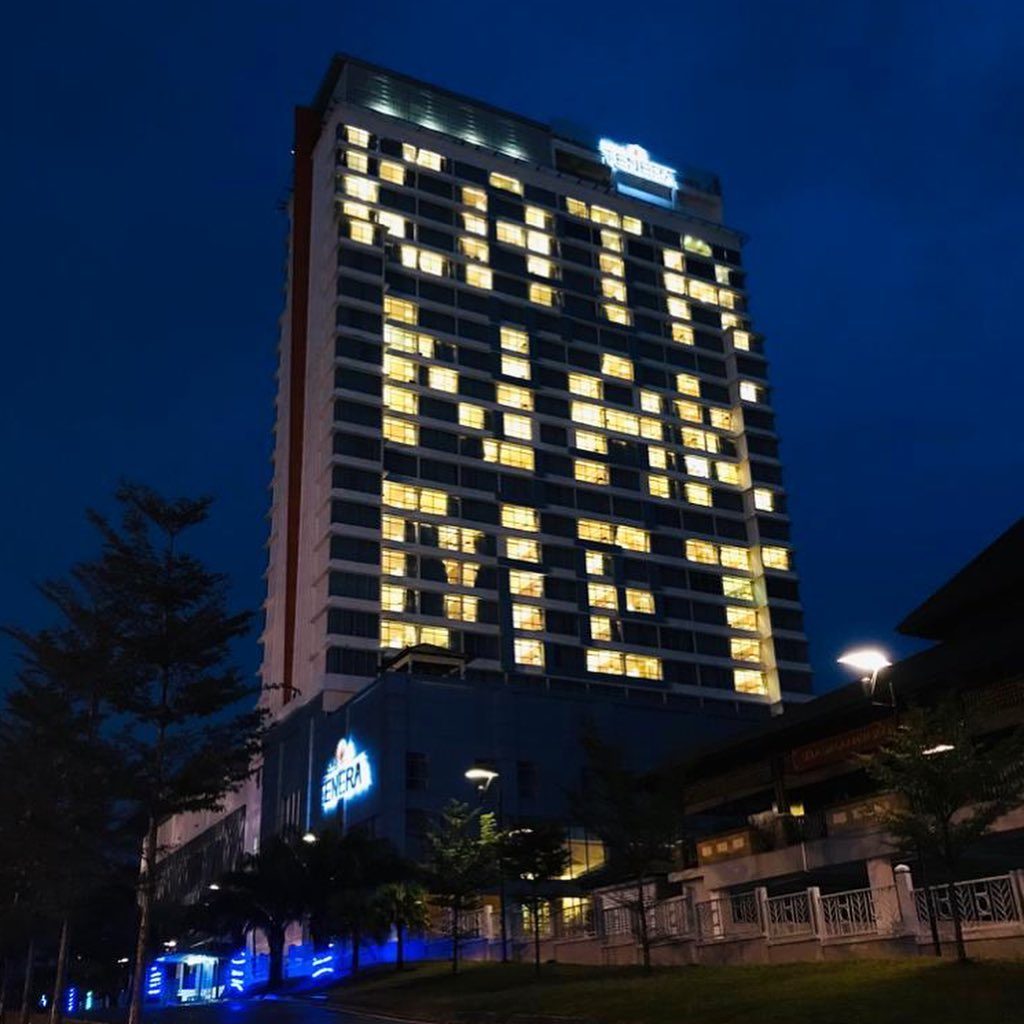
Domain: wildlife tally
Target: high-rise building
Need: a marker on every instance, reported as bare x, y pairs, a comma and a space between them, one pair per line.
523, 414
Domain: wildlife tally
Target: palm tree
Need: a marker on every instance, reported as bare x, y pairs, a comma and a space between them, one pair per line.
268, 893
403, 906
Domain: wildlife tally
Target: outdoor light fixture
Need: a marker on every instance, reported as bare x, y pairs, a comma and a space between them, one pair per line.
481, 777
870, 661
213, 887
309, 837
939, 748
123, 960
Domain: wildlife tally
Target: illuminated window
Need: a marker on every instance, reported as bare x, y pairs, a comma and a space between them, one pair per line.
659, 486
657, 457
399, 309
421, 259
398, 634
514, 396
356, 210
590, 442
613, 288
424, 157
749, 392
675, 283
392, 172
360, 231
459, 538
689, 411
696, 466
632, 538
528, 616
598, 563
514, 340
702, 551
517, 426
588, 387
392, 563
632, 225
474, 249
400, 400
511, 234
673, 260
460, 606
678, 308
730, 320
400, 431
599, 215
525, 584
697, 245
357, 136
514, 366
442, 379
611, 240
703, 292
726, 298
741, 649
682, 334
643, 666
392, 528
436, 635
693, 438
399, 495
474, 224
537, 241
522, 549
392, 598
617, 314
698, 494
515, 455
479, 277
741, 340
519, 517
775, 558
604, 661
458, 573
639, 601
728, 472
536, 217
433, 502
475, 197
687, 384
528, 652
621, 422
721, 418
737, 588
504, 181
542, 294
764, 500
747, 680
651, 429
735, 558
540, 266
741, 618
611, 264
595, 530
576, 207
650, 401
602, 595
361, 188
392, 223
591, 472
357, 161
600, 627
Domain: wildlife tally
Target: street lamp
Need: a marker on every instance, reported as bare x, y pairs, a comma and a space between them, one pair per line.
213, 887
483, 778
309, 837
870, 661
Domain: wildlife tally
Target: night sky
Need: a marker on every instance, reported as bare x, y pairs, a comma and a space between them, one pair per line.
872, 151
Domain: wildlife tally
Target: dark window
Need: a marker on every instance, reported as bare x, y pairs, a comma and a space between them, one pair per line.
417, 775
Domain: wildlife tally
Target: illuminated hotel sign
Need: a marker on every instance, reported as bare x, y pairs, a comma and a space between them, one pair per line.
348, 775
636, 161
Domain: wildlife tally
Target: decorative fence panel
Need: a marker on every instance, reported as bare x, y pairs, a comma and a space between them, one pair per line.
728, 917
671, 918
790, 916
981, 902
860, 912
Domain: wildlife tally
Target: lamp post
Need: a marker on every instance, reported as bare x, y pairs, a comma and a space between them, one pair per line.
483, 779
870, 661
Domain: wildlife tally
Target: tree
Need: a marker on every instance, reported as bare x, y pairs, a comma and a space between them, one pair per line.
534, 855
639, 819
183, 737
462, 858
269, 892
954, 784
403, 906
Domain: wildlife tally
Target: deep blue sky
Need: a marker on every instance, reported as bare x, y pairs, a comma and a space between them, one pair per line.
872, 151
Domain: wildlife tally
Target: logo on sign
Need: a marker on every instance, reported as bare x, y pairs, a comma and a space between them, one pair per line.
348, 775
635, 160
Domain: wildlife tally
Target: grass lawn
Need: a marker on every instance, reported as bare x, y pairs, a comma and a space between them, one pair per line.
848, 992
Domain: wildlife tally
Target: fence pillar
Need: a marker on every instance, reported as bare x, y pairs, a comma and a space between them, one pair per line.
905, 901
1017, 885
814, 908
761, 895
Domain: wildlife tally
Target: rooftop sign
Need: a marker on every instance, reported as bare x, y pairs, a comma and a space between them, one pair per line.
348, 775
636, 161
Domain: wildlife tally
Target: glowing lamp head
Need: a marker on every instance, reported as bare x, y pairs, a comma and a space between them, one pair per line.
865, 659
309, 837
481, 777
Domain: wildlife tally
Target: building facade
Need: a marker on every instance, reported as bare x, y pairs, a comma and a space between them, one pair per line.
523, 415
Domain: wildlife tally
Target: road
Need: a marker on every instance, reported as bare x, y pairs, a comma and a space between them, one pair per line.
256, 1011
